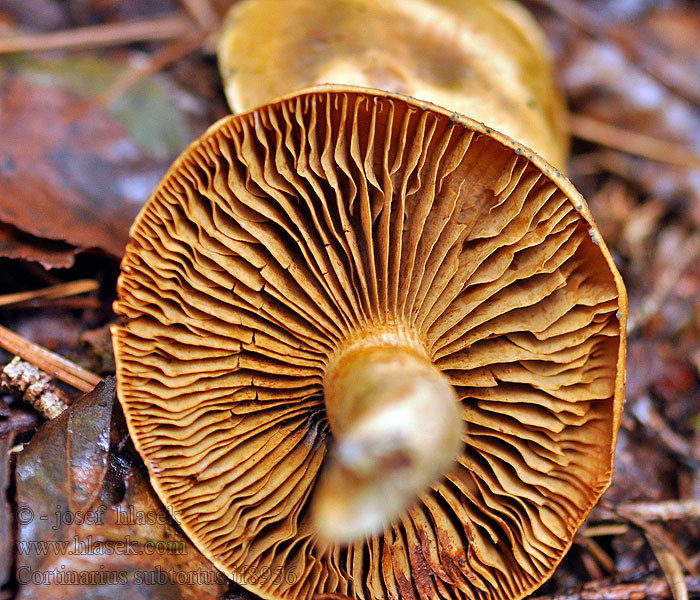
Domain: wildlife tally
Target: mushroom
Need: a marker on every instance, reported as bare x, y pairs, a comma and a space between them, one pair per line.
353, 270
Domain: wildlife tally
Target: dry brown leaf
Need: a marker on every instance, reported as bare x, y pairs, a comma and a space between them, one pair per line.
65, 165
50, 254
74, 542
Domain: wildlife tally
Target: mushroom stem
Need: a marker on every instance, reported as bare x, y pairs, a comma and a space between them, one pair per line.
397, 428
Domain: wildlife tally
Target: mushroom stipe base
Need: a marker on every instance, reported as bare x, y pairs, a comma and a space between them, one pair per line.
396, 426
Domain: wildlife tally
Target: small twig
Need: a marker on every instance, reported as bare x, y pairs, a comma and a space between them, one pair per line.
53, 364
76, 303
62, 290
651, 530
100, 36
24, 381
599, 555
654, 589
671, 567
202, 11
611, 136
668, 510
604, 529
159, 61
590, 564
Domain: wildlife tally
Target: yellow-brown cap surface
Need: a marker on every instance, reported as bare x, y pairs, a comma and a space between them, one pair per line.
486, 59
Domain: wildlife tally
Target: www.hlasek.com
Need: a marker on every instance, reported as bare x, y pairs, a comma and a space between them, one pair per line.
89, 546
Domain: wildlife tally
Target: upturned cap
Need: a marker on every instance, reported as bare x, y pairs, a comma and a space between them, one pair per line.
283, 232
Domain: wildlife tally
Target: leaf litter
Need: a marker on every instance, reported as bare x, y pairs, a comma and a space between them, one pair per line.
638, 73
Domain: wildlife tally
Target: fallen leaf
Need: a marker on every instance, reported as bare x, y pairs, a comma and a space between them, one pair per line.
50, 254
155, 112
74, 172
80, 539
61, 157
19, 422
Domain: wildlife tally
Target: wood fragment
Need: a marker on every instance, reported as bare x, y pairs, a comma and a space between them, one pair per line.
53, 364
100, 36
668, 510
671, 567
30, 384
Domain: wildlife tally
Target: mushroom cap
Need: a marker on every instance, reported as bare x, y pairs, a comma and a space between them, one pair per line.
487, 59
286, 232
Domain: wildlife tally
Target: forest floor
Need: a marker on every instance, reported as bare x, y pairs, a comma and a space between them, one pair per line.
91, 118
